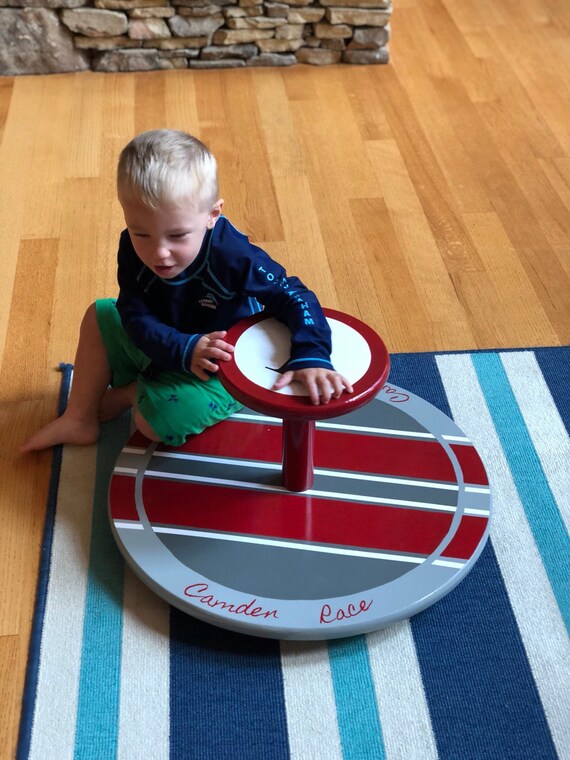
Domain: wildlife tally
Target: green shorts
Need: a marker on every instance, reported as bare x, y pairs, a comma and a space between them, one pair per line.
175, 404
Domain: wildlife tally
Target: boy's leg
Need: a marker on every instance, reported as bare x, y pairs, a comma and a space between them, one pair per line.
79, 423
118, 400
115, 401
175, 405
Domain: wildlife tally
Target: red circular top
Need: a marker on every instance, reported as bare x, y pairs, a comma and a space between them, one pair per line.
276, 404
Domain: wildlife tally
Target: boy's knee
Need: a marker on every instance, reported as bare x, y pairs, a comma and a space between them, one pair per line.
90, 317
145, 428
91, 311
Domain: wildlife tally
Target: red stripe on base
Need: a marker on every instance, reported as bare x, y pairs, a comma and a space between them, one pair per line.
399, 457
471, 465
298, 518
122, 498
139, 440
467, 537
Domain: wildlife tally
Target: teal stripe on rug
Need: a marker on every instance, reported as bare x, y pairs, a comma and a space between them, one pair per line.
357, 709
99, 683
542, 512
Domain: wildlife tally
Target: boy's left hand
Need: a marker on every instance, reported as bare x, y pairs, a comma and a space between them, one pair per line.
322, 384
208, 351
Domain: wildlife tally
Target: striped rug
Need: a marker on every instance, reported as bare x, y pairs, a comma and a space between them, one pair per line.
485, 673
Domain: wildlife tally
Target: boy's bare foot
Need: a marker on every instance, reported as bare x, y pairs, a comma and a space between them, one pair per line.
62, 430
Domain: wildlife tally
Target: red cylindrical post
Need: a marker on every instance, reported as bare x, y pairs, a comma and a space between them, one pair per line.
298, 454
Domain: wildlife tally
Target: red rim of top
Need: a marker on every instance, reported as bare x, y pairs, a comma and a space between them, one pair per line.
300, 407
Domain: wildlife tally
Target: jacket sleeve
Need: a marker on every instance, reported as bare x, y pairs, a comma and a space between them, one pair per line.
286, 298
168, 348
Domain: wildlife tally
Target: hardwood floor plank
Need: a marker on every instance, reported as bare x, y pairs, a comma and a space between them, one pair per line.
10, 654
283, 149
51, 154
305, 251
504, 287
150, 100
181, 110
427, 179
29, 330
366, 103
433, 284
546, 84
346, 259
517, 153
6, 87
552, 285
86, 125
21, 127
402, 320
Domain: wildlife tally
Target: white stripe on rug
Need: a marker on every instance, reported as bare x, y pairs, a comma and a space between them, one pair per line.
309, 700
544, 424
58, 677
144, 712
399, 689
535, 607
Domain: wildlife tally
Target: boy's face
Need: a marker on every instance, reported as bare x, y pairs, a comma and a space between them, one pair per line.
169, 238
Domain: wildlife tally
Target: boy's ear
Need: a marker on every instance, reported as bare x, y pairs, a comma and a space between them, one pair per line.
215, 213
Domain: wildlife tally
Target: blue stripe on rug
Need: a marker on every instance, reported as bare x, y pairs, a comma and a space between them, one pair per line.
463, 642
99, 683
554, 364
357, 710
539, 503
467, 638
418, 373
226, 694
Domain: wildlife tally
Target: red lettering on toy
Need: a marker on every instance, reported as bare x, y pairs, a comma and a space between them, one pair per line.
395, 395
198, 591
329, 616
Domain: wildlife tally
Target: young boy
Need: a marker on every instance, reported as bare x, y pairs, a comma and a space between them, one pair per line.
186, 275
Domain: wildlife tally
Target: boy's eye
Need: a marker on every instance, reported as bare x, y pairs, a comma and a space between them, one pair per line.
178, 235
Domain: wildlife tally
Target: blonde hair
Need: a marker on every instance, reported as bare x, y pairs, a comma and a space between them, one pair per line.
165, 166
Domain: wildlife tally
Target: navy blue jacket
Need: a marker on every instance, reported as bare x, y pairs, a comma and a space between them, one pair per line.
229, 279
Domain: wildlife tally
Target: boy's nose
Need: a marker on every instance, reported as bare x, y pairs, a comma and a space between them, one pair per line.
162, 252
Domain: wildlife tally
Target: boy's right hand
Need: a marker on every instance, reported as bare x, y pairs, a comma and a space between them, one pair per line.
209, 350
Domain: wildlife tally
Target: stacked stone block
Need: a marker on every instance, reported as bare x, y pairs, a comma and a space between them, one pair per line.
45, 36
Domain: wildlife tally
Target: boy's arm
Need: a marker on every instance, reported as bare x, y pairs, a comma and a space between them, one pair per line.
167, 347
290, 301
298, 307
247, 269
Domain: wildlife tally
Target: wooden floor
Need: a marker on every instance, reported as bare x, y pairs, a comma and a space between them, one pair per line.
430, 198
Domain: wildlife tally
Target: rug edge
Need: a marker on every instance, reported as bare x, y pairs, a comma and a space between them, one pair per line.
34, 650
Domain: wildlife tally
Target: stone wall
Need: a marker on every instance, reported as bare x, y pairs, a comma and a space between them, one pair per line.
48, 36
